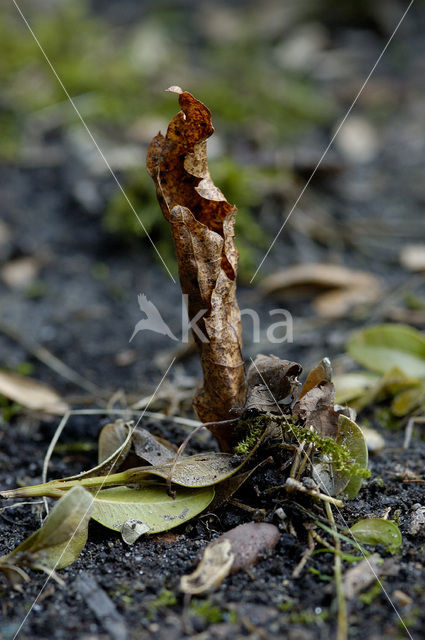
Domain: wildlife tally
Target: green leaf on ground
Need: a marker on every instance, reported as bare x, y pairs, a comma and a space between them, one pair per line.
350, 386
58, 542
378, 531
383, 347
150, 506
351, 436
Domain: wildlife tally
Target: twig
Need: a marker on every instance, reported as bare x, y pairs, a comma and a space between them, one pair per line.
409, 429
300, 566
342, 622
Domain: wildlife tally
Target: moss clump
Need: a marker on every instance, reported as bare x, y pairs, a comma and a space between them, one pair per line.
165, 598
292, 432
210, 613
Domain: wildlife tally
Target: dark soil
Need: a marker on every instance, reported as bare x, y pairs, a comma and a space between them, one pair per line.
85, 315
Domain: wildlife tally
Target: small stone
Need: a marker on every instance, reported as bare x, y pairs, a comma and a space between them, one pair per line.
417, 519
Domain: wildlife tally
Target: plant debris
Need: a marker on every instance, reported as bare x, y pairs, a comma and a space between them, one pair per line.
202, 224
234, 550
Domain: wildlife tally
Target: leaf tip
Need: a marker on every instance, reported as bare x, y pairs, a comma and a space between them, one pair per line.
174, 89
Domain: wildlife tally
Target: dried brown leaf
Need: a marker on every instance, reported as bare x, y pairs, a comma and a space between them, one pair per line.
202, 224
234, 550
315, 405
270, 380
31, 394
336, 289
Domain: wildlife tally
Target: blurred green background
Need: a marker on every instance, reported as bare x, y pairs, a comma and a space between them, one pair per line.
115, 60
268, 71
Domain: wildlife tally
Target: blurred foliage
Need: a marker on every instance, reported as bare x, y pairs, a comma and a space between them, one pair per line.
116, 74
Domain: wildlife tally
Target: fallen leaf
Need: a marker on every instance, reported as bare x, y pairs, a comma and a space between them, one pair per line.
270, 380
316, 409
132, 529
321, 373
408, 400
234, 550
351, 436
149, 507
146, 447
58, 542
202, 224
193, 472
31, 394
333, 480
387, 346
343, 288
350, 386
214, 567
378, 531
115, 456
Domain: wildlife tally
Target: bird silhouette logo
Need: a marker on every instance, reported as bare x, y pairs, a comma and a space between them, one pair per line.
153, 320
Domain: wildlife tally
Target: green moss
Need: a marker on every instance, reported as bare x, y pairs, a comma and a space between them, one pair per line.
336, 453
250, 440
165, 598
369, 596
308, 617
210, 613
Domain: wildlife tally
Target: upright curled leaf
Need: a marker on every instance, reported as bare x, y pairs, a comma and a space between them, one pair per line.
202, 224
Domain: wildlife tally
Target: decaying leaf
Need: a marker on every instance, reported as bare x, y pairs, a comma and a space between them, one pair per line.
337, 288
146, 447
202, 223
132, 529
316, 408
346, 479
320, 374
388, 346
234, 550
351, 436
214, 567
58, 542
193, 472
270, 380
31, 394
150, 509
378, 531
119, 435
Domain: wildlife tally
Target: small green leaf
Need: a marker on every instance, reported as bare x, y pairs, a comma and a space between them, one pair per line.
58, 542
408, 400
351, 436
382, 347
378, 531
151, 506
350, 386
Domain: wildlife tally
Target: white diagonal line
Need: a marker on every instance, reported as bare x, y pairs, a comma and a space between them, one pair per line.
339, 511
83, 122
332, 139
85, 514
